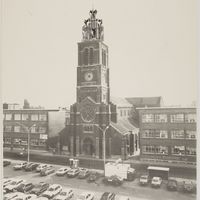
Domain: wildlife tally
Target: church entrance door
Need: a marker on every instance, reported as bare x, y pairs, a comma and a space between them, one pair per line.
88, 147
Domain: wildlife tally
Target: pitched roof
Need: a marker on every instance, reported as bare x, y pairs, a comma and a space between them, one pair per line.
123, 126
120, 102
145, 101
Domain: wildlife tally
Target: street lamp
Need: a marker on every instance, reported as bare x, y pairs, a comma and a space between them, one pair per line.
28, 132
104, 144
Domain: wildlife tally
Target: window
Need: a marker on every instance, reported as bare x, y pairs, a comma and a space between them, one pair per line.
160, 118
34, 117
177, 118
191, 135
190, 151
190, 118
124, 112
17, 129
42, 129
178, 150
147, 118
103, 57
34, 129
8, 117
43, 117
121, 113
25, 117
34, 142
17, 116
148, 134
155, 150
88, 128
177, 134
42, 142
91, 56
8, 128
85, 57
161, 134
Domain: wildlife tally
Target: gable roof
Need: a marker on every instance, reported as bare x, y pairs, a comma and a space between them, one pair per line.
145, 101
120, 102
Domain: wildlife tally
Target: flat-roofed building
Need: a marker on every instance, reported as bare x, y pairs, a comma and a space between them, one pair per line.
168, 133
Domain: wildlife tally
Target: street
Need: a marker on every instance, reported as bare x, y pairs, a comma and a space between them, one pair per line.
131, 189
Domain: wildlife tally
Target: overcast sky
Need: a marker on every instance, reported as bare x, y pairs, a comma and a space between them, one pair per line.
152, 49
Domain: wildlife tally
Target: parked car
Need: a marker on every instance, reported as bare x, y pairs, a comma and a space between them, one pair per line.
84, 173
66, 194
14, 184
41, 167
41, 198
31, 166
23, 196
12, 195
40, 188
22, 153
20, 166
156, 181
7, 181
52, 191
24, 187
86, 196
123, 198
62, 171
172, 184
108, 196
73, 172
93, 176
46, 171
6, 163
144, 179
188, 186
113, 180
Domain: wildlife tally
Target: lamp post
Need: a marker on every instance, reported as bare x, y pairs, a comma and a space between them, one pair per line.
28, 132
104, 144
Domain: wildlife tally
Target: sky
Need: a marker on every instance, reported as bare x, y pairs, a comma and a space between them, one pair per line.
152, 49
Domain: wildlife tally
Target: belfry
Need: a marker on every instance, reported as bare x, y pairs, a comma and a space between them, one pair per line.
93, 114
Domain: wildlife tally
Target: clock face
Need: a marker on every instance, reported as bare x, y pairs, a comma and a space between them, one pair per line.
88, 113
88, 76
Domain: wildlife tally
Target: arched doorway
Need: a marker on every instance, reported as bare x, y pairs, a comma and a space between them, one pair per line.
88, 147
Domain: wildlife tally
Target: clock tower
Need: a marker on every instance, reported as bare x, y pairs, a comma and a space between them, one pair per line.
92, 111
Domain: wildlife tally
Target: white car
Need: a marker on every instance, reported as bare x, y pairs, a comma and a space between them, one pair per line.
123, 198
25, 197
13, 184
41, 198
13, 195
156, 181
20, 166
41, 167
52, 191
86, 196
65, 194
62, 171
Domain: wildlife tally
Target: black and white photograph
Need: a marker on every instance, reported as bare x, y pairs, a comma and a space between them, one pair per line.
99, 99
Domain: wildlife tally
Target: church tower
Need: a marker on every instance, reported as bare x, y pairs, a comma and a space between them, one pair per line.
92, 111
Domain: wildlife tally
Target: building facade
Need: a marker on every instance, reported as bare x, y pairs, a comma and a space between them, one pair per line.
168, 133
93, 112
42, 124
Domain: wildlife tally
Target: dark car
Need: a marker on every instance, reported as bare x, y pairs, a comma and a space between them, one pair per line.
108, 196
73, 172
172, 184
40, 188
6, 163
31, 166
22, 154
113, 180
188, 186
93, 177
24, 187
84, 173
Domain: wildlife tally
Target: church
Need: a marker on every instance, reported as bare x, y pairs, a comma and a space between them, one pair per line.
98, 126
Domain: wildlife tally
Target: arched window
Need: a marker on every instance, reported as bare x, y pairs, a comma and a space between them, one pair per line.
85, 58
91, 56
103, 57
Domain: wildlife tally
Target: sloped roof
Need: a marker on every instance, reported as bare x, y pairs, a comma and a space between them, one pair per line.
124, 126
145, 101
120, 102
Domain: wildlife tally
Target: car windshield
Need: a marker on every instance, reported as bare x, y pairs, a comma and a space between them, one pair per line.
143, 177
155, 180
63, 193
13, 183
51, 189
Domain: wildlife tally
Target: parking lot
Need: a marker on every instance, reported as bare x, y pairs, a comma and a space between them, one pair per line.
131, 189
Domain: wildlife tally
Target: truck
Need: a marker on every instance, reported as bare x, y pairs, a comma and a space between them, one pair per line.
121, 170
